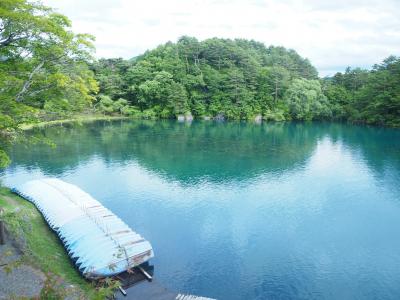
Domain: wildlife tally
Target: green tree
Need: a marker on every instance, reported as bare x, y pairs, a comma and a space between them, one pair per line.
306, 101
43, 66
243, 78
379, 98
237, 78
367, 96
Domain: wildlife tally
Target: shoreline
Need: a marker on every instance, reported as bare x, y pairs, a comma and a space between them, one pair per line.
35, 265
92, 118
79, 119
31, 245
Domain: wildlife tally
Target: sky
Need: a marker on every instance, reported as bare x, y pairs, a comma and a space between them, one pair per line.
332, 34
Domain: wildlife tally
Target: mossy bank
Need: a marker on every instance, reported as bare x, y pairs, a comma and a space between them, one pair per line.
39, 248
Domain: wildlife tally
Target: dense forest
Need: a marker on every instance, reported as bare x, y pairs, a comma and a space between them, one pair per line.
49, 72
237, 79
242, 79
366, 96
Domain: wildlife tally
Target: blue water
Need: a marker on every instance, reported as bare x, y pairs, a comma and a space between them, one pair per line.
240, 210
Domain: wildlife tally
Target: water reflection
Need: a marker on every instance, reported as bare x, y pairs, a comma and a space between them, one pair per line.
215, 151
244, 211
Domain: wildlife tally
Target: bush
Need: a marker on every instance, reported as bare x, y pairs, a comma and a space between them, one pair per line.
131, 111
277, 115
149, 114
105, 104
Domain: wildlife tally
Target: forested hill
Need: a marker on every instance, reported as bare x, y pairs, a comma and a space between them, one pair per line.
242, 79
238, 79
366, 96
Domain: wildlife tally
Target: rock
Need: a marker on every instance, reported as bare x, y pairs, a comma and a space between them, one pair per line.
18, 279
206, 118
258, 119
189, 118
22, 282
180, 118
219, 118
9, 254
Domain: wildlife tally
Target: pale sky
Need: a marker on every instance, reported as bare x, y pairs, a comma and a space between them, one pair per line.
333, 34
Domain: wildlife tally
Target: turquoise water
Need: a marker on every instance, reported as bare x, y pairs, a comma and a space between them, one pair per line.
240, 210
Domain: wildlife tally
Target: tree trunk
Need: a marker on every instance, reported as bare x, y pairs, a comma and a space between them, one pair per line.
28, 82
7, 41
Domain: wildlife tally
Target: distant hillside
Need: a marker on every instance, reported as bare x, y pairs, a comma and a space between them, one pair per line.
243, 79
236, 78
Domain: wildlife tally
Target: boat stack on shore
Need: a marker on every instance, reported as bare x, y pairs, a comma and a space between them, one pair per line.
98, 242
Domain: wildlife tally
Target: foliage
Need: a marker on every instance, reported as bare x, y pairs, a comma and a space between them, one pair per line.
109, 107
240, 79
371, 97
53, 289
105, 289
306, 101
237, 78
43, 66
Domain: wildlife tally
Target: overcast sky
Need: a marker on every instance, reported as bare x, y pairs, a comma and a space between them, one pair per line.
331, 33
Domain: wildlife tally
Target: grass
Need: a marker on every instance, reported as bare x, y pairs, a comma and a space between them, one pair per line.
42, 247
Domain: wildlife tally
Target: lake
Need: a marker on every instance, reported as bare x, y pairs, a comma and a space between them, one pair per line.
241, 210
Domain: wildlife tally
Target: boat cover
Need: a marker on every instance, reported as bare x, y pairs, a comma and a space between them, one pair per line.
99, 243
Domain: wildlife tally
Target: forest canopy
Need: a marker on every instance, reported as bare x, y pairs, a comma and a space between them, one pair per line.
238, 79
43, 67
242, 79
49, 72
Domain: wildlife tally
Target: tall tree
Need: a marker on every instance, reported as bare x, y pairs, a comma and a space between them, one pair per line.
306, 101
43, 65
